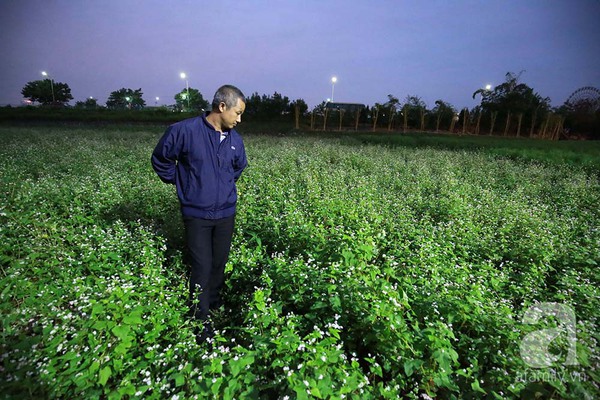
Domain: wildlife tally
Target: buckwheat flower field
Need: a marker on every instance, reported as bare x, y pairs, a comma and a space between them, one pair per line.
358, 270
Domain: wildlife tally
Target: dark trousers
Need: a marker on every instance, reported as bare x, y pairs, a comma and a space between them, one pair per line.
208, 242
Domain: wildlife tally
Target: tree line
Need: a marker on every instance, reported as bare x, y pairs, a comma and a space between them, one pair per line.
49, 93
512, 108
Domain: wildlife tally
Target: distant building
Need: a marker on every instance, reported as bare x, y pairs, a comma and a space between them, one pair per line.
353, 109
346, 107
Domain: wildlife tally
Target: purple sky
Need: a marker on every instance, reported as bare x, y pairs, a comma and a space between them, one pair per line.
433, 49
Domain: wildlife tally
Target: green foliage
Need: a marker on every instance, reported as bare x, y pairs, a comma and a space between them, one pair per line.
126, 99
415, 107
47, 92
512, 97
301, 104
265, 107
88, 104
196, 101
358, 270
443, 113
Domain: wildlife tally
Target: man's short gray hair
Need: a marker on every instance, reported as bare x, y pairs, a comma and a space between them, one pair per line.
229, 95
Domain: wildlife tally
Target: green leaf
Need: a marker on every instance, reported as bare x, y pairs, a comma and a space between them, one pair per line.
121, 331
411, 366
179, 380
100, 325
334, 332
316, 392
301, 393
475, 386
336, 302
236, 368
129, 390
115, 395
215, 386
135, 318
97, 309
443, 359
123, 347
104, 375
94, 367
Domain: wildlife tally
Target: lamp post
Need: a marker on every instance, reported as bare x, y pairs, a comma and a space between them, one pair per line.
44, 73
128, 102
187, 88
157, 99
333, 81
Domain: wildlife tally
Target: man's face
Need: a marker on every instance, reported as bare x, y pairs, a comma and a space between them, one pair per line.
230, 117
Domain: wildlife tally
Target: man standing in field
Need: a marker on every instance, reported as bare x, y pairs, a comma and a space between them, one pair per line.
204, 157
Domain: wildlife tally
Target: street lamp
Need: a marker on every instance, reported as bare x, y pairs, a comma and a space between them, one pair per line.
333, 81
44, 73
187, 88
157, 99
128, 101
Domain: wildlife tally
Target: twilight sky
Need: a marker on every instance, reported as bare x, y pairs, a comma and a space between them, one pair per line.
433, 49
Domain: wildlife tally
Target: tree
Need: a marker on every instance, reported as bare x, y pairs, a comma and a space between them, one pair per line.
268, 107
477, 112
253, 105
196, 101
512, 98
320, 109
88, 104
442, 111
126, 98
392, 107
316, 111
47, 92
300, 107
415, 109
466, 118
375, 111
301, 104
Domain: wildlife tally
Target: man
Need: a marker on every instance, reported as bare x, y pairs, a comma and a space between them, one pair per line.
204, 157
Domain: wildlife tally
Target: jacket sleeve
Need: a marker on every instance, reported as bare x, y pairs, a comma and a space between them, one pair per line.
165, 155
240, 163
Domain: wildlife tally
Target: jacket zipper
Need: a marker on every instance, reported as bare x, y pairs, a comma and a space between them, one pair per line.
215, 208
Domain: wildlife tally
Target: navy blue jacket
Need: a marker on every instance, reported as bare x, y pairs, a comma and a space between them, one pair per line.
204, 170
